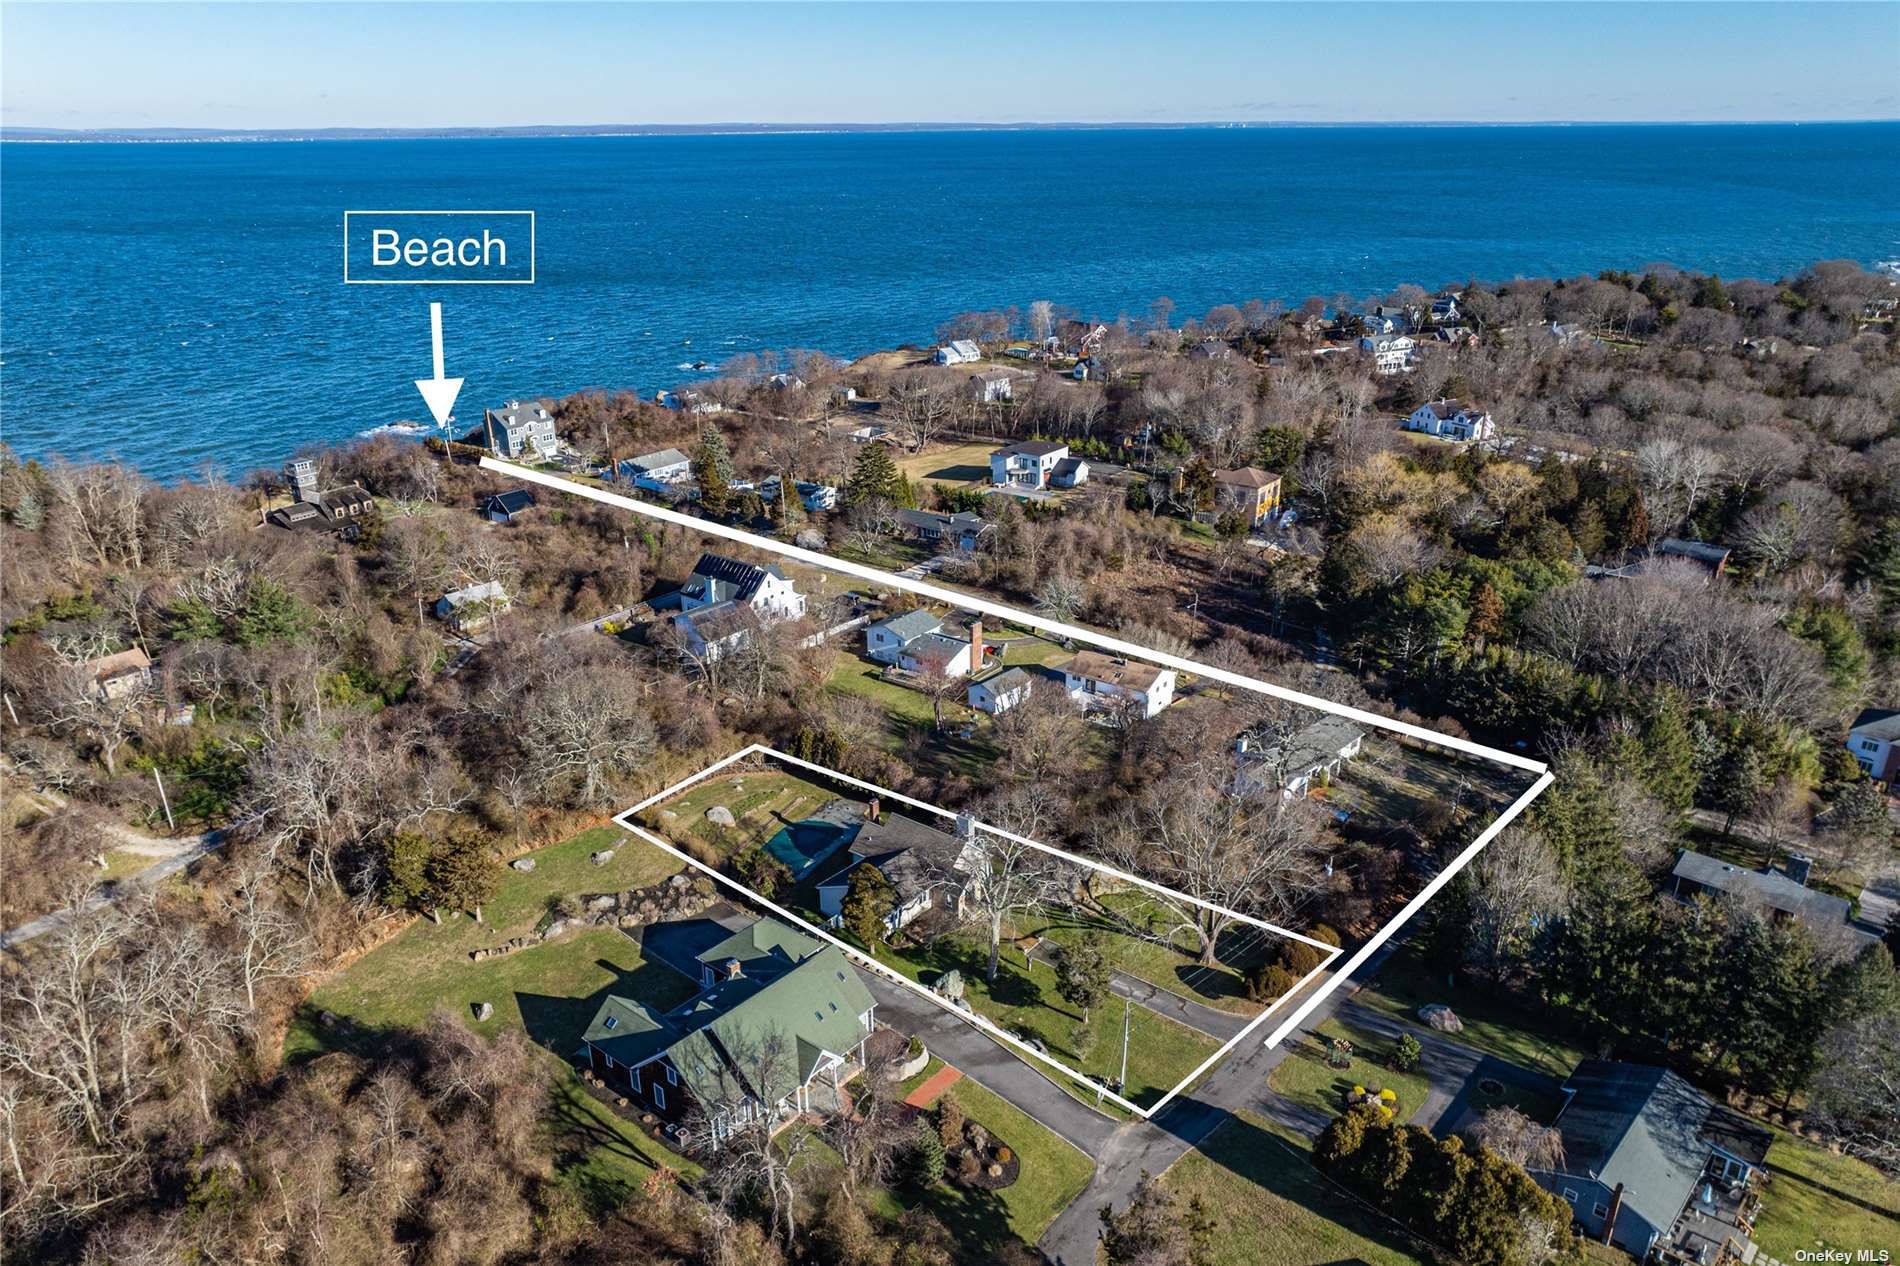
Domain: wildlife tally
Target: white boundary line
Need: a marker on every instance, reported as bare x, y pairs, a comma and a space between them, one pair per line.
1029, 619
625, 819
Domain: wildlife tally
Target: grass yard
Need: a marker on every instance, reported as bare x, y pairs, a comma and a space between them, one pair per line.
550, 991
1392, 783
1271, 1205
1054, 1172
910, 728
861, 677
1307, 1079
1495, 1023
1173, 967
1027, 651
1024, 1001
761, 801
1817, 1200
962, 464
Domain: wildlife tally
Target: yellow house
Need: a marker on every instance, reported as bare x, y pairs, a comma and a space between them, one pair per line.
1250, 490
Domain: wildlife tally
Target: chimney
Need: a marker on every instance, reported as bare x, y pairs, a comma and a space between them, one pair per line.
1616, 1207
1241, 744
1799, 867
733, 969
976, 647
872, 810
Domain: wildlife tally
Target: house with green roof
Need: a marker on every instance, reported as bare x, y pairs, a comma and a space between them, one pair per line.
777, 1029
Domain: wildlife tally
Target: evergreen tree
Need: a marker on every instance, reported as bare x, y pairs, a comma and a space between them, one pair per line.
874, 474
868, 898
269, 613
718, 455
464, 873
406, 870
1668, 767
712, 468
923, 1161
1083, 972
1600, 958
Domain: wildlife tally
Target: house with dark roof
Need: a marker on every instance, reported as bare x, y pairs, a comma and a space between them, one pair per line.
1650, 1162
1096, 680
1783, 895
963, 530
1028, 464
1874, 741
1451, 420
998, 692
1712, 557
777, 1028
1295, 764
1070, 472
924, 866
506, 507
337, 509
717, 579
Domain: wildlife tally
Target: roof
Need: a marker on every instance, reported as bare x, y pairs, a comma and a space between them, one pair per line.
1115, 672
760, 943
993, 375
662, 457
513, 501
1877, 723
965, 347
1446, 408
936, 647
1247, 477
347, 495
1701, 551
1071, 466
129, 661
1004, 682
630, 1031
1647, 1129
811, 1009
521, 413
936, 524
719, 622
1772, 889
912, 855
912, 624
1316, 744
1035, 448
720, 578
487, 591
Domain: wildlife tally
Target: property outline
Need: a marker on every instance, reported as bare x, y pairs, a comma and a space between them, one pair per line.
429, 281
626, 820
1075, 633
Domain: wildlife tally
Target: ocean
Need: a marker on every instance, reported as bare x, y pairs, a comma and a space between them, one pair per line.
180, 306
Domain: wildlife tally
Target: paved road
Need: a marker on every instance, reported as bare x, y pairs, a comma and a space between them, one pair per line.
984, 1060
1217, 1024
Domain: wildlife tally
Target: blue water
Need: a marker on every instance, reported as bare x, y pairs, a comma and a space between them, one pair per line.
178, 304
802, 845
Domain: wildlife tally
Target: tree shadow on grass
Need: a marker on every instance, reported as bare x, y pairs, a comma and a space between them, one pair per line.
557, 1023
978, 1221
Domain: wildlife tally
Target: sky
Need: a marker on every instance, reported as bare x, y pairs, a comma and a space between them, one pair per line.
271, 65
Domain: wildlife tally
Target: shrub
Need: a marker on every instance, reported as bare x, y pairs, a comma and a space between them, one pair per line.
949, 1119
1298, 958
1271, 981
1406, 1054
914, 1047
1003, 1155
1320, 932
923, 1163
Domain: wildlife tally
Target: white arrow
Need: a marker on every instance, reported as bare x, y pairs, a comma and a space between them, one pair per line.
440, 392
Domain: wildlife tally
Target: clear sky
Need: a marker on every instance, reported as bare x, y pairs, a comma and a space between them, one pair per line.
268, 65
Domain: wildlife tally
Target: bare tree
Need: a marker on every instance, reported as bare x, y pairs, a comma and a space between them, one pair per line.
1520, 1140
269, 944
1011, 877
1515, 883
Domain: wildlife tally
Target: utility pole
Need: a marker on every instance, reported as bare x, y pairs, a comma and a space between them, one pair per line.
1126, 1008
164, 799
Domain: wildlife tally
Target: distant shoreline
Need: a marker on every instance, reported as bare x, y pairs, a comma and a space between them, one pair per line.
200, 136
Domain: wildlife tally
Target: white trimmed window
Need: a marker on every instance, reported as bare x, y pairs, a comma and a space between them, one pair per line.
659, 1096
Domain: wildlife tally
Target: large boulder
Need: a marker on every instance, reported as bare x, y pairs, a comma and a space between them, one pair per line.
523, 864
601, 858
1441, 1017
484, 1010
720, 815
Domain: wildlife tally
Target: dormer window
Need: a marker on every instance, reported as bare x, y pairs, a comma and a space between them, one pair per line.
612, 1021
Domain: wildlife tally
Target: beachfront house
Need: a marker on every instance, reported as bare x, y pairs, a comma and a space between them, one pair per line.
1293, 766
521, 427
470, 610
1445, 308
1249, 492
1451, 420
1650, 1164
1097, 680
961, 351
1028, 464
777, 1029
657, 469
1391, 353
998, 692
1874, 741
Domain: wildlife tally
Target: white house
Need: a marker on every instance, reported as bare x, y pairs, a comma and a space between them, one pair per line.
667, 466
961, 351
521, 427
999, 692
1026, 465
469, 610
1070, 472
1097, 680
1874, 741
717, 579
1445, 308
1452, 420
695, 402
916, 643
1293, 765
991, 387
1391, 353
812, 496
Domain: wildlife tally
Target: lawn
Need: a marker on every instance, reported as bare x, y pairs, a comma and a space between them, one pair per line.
1816, 1200
550, 990
911, 725
1054, 1172
1495, 1023
1023, 1001
1271, 1205
1027, 651
855, 676
1174, 967
1307, 1079
962, 464
761, 801
1393, 783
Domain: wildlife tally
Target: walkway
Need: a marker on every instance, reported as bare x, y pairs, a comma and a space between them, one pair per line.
190, 851
1217, 1024
934, 1085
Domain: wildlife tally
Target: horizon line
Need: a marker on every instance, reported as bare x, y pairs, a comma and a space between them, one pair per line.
161, 132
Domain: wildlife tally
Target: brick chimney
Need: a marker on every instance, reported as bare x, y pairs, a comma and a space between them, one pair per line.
976, 647
733, 969
1616, 1207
